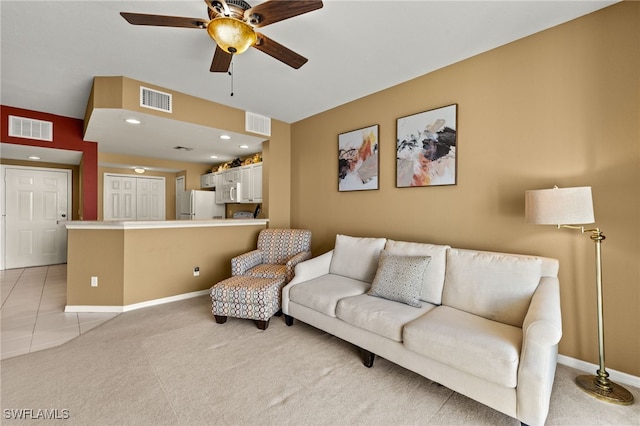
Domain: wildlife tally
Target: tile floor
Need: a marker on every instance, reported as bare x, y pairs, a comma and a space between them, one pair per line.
32, 314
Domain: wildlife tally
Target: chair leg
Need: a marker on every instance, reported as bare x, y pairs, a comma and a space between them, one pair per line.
288, 320
262, 325
279, 313
220, 319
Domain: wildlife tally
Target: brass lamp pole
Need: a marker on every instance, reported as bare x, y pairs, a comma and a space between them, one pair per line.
574, 205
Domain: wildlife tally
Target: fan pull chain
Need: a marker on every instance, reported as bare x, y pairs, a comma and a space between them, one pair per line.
231, 74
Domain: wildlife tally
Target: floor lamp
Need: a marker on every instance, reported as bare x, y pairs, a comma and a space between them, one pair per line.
568, 208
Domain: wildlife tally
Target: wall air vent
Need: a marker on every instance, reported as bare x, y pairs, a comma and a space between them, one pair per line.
21, 127
255, 123
155, 99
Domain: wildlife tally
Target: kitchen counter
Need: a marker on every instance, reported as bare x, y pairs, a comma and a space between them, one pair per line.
116, 266
157, 224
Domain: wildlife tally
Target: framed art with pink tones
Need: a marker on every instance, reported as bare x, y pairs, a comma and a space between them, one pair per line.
426, 150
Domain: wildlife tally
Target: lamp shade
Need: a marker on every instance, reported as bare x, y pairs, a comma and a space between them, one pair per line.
559, 206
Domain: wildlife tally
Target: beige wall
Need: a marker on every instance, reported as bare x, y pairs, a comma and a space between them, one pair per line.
138, 265
561, 107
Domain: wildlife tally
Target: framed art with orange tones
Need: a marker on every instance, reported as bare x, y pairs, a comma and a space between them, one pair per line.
358, 161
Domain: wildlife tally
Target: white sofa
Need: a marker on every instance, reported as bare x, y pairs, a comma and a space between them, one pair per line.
488, 326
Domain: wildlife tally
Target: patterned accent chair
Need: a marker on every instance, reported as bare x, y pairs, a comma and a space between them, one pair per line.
278, 253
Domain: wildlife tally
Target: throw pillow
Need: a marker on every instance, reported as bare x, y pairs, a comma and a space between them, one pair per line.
433, 282
356, 257
400, 278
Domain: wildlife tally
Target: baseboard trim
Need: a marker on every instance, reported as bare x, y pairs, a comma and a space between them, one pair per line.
134, 306
616, 376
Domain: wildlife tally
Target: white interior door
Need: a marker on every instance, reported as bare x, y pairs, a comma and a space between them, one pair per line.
151, 199
35, 201
134, 198
180, 187
119, 198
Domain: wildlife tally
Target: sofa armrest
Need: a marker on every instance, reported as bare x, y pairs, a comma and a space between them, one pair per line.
541, 333
294, 260
242, 263
305, 271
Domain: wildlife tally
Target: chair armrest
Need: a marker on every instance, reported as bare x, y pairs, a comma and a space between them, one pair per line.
541, 333
294, 260
242, 263
305, 271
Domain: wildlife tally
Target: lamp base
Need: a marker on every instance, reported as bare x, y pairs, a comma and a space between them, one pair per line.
606, 391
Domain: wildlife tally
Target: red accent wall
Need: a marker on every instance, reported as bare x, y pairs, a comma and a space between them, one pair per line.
67, 134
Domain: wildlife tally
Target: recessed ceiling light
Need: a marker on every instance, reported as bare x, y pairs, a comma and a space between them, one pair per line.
139, 170
225, 137
213, 156
132, 121
244, 146
33, 157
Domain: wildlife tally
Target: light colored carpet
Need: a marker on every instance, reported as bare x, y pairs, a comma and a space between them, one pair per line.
173, 365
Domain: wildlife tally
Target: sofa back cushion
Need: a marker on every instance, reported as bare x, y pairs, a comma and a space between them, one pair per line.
356, 257
434, 274
495, 286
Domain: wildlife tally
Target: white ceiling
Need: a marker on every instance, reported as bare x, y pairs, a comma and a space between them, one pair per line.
51, 50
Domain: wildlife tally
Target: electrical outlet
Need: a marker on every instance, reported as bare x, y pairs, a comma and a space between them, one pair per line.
196, 271
94, 281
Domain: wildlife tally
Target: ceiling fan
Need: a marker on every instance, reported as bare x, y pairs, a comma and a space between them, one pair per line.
232, 26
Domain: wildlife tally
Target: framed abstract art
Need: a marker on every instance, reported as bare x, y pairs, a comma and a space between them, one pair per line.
358, 161
426, 150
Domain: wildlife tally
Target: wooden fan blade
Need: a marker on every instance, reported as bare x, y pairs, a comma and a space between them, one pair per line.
221, 60
279, 52
278, 10
164, 21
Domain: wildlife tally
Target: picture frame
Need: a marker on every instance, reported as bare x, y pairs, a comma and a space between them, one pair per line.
358, 159
427, 148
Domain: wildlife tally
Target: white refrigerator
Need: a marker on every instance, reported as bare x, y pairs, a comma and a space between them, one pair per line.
200, 205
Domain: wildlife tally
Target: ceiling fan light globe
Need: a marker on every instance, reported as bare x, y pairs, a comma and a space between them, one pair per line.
231, 34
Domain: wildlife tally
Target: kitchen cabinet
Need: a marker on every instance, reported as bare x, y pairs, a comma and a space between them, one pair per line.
219, 189
231, 175
251, 179
208, 180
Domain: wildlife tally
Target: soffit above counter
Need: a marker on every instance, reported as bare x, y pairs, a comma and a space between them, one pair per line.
190, 132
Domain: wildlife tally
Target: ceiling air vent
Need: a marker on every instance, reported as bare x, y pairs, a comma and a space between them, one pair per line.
255, 123
21, 127
155, 99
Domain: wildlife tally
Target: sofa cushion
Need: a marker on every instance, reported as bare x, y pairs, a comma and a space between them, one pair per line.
478, 346
434, 274
380, 316
495, 286
323, 293
400, 278
356, 257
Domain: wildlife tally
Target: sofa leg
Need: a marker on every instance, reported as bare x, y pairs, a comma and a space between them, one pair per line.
288, 320
368, 358
220, 319
278, 314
